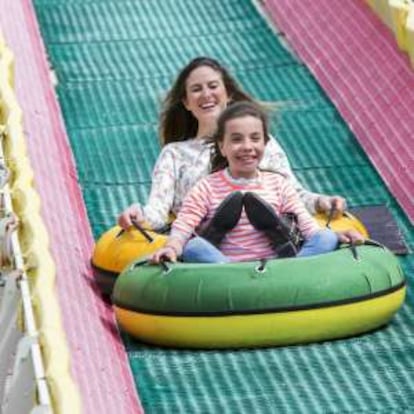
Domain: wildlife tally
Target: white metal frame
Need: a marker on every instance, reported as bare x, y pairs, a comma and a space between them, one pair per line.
22, 376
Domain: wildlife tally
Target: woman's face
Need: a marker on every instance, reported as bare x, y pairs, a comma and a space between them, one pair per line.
206, 95
243, 145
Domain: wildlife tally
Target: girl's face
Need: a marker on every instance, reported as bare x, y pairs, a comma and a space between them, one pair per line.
243, 145
206, 95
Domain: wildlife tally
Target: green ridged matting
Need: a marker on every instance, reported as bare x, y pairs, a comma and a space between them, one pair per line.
114, 61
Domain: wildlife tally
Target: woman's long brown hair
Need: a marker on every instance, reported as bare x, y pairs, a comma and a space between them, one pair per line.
179, 124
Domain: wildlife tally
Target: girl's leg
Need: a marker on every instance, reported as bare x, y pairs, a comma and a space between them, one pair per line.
199, 250
323, 241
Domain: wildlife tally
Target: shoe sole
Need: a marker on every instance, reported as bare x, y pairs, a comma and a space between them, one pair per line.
263, 218
260, 213
222, 222
233, 202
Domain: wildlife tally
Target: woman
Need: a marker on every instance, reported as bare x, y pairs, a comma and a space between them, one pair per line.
237, 208
201, 92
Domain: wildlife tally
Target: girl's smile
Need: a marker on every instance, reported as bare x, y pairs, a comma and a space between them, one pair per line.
243, 145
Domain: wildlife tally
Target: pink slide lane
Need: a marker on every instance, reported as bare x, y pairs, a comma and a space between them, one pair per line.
355, 58
99, 364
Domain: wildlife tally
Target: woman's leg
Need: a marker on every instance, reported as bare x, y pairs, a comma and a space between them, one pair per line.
323, 241
199, 250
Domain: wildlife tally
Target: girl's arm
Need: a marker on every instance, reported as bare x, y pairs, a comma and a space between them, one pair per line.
307, 224
194, 209
275, 159
291, 203
170, 252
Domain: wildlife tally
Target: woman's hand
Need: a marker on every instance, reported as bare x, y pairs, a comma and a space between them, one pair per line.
324, 204
350, 236
166, 253
133, 212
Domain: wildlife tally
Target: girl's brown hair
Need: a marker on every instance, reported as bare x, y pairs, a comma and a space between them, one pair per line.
179, 124
235, 110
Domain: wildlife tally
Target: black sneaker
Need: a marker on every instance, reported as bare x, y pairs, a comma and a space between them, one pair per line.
226, 217
263, 217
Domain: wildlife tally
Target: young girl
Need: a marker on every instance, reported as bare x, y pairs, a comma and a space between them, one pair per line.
240, 227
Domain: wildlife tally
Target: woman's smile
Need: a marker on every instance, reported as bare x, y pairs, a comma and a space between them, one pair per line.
206, 96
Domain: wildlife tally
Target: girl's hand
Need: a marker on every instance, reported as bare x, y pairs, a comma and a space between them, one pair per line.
167, 253
350, 236
324, 204
133, 212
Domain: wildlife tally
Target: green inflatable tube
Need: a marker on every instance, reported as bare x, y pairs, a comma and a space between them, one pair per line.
277, 302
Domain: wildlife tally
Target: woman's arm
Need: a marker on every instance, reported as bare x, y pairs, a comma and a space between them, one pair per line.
195, 208
156, 211
163, 187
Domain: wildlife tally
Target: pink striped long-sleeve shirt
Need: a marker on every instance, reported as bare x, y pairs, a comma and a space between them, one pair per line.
244, 242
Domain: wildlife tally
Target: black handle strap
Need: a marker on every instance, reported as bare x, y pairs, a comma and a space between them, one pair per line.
142, 230
367, 242
261, 268
163, 264
140, 263
330, 216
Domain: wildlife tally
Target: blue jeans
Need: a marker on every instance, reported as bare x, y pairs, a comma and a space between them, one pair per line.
199, 250
324, 241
